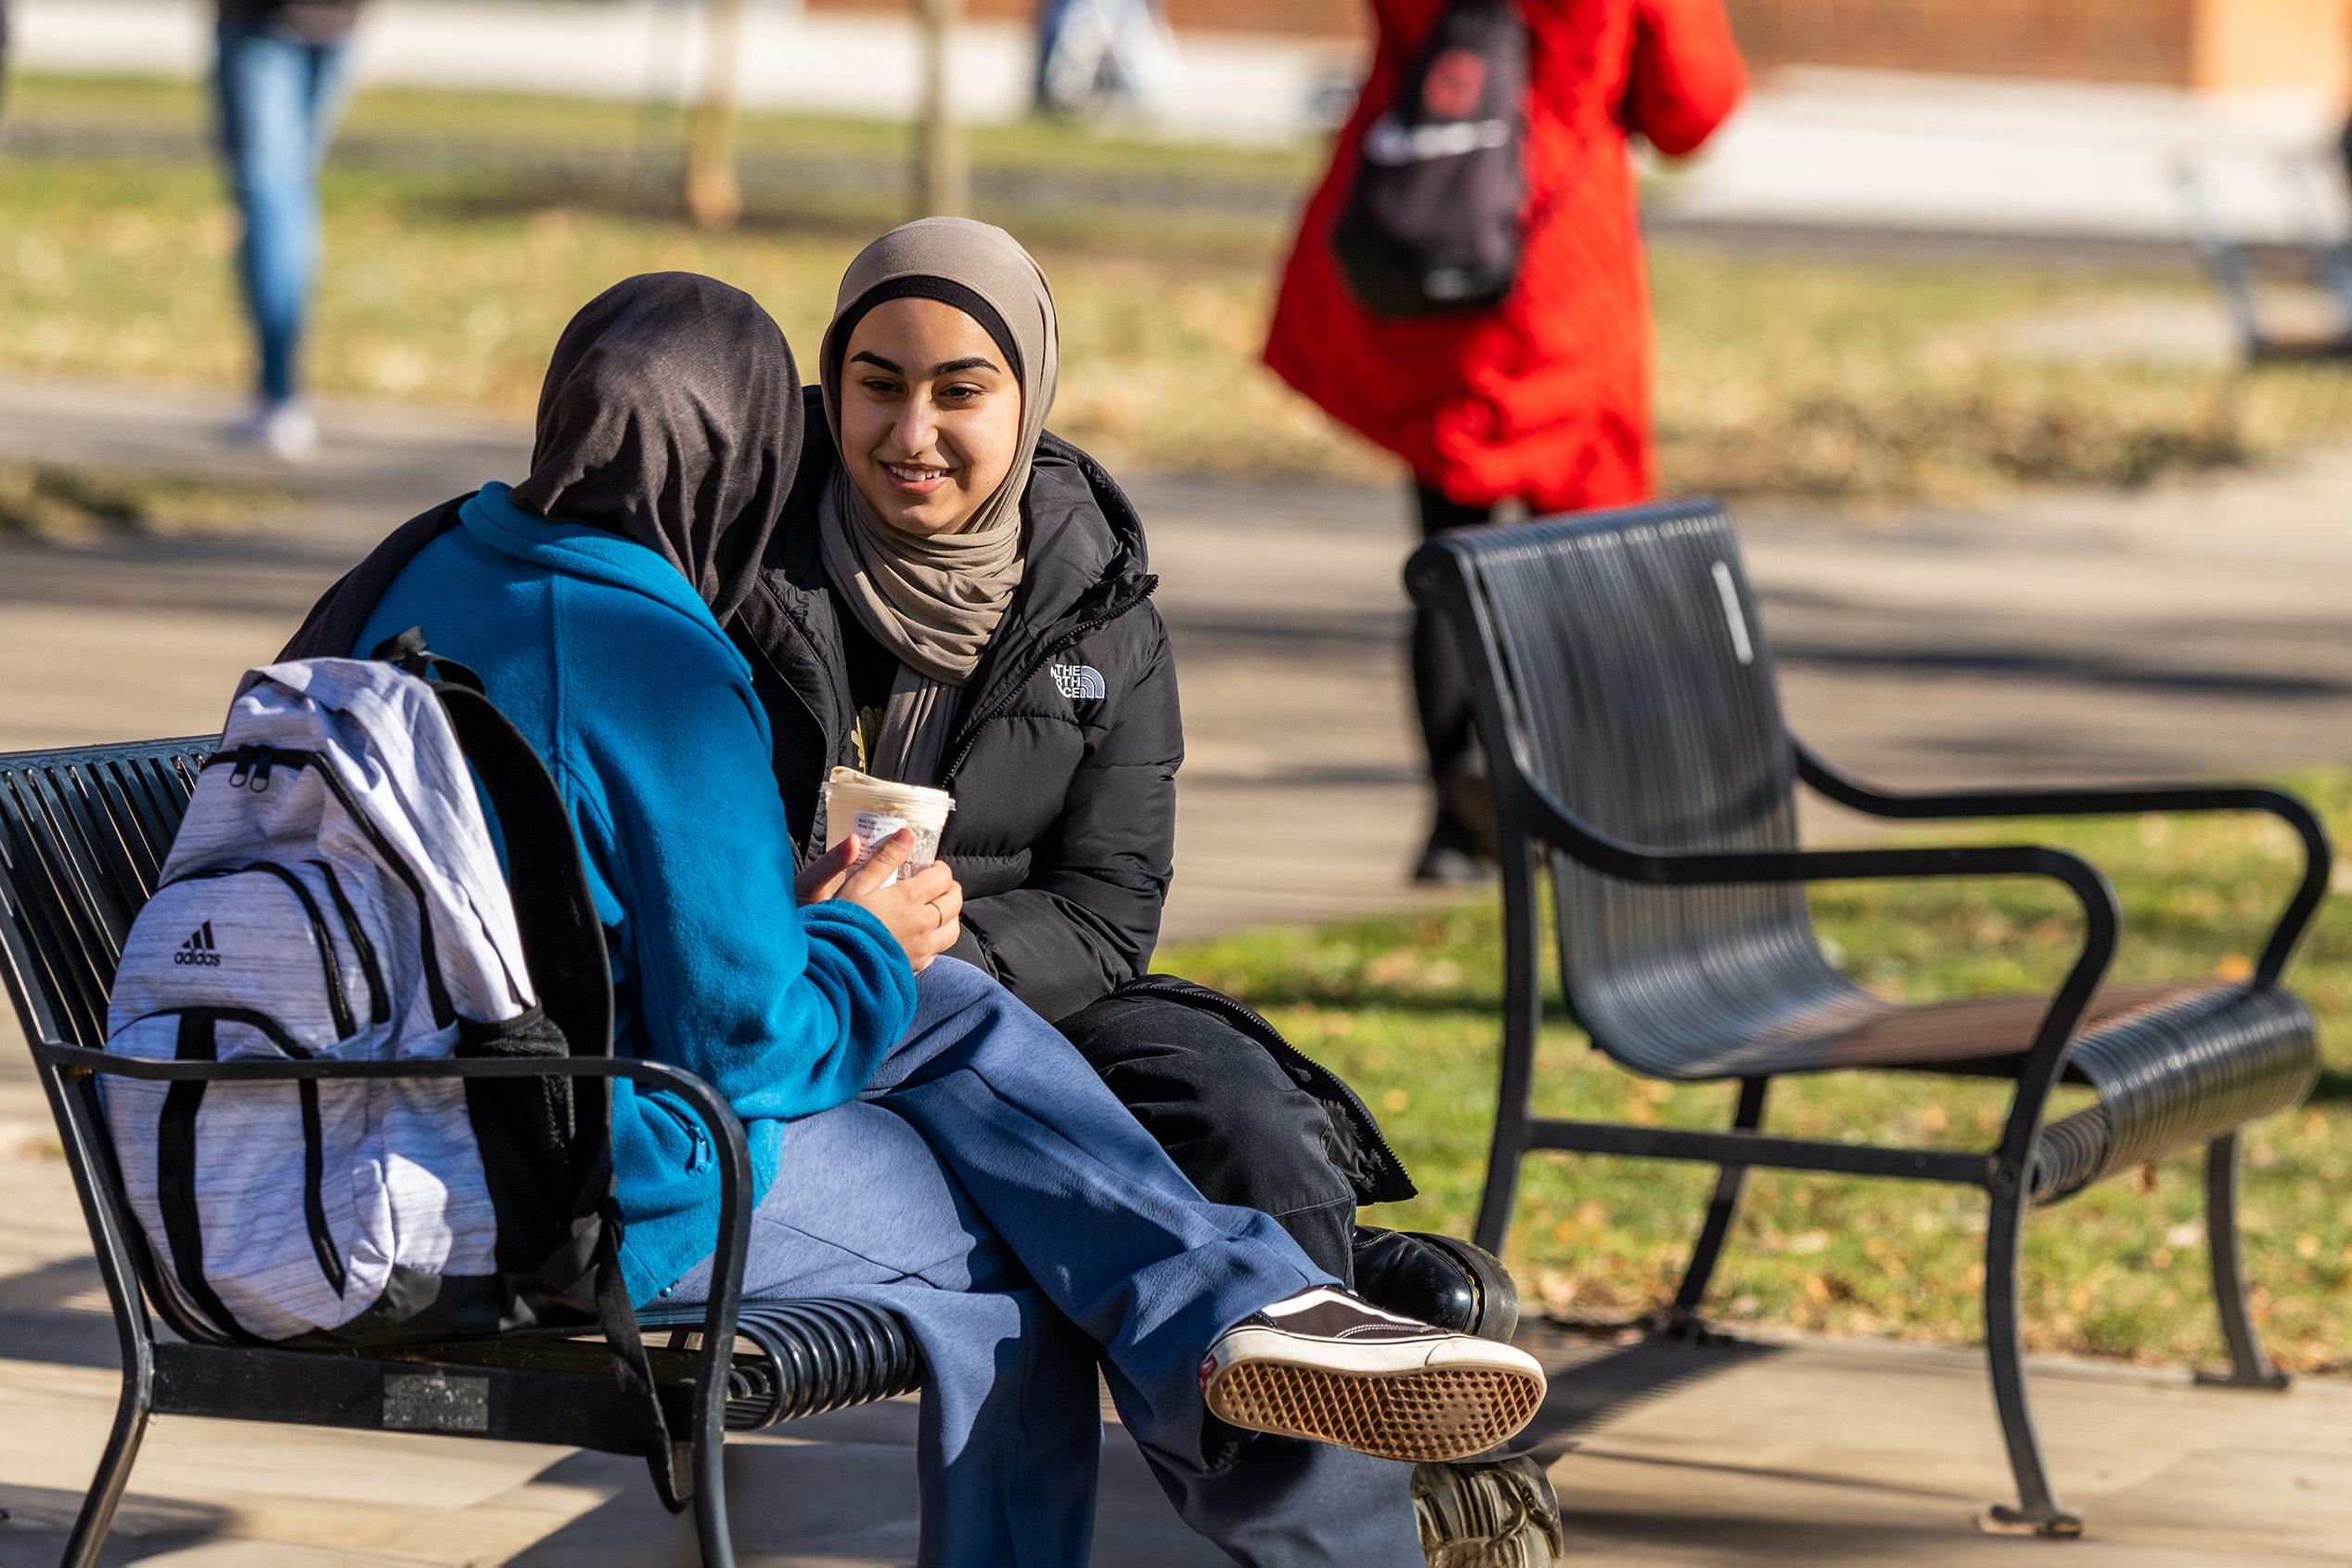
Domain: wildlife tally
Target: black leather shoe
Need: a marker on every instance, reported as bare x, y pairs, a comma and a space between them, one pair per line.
1444, 866
1439, 1279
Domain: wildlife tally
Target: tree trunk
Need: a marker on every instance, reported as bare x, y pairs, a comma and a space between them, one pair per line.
943, 179
713, 198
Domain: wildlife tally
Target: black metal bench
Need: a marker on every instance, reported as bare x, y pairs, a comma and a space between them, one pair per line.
2316, 258
81, 835
1631, 720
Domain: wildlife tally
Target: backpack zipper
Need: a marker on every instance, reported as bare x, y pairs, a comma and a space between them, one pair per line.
338, 1003
250, 769
322, 1237
1005, 690
379, 1004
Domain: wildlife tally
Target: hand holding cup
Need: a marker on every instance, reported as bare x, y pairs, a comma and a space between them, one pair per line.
923, 910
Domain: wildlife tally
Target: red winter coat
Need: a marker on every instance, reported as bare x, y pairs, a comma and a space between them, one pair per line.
1544, 398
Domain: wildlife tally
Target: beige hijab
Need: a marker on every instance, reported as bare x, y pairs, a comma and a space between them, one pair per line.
934, 601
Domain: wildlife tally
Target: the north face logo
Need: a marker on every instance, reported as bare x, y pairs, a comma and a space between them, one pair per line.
199, 948
1078, 682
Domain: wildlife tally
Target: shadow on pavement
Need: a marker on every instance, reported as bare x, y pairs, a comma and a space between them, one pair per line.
1743, 1536
837, 1487
44, 1317
40, 1518
841, 1485
1592, 1385
269, 573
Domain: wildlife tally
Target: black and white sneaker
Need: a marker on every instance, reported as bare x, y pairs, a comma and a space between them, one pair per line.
1325, 1366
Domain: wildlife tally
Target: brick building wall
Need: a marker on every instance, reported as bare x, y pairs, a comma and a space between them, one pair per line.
2073, 40
2206, 45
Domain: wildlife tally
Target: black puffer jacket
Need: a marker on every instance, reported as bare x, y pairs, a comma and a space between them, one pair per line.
1067, 742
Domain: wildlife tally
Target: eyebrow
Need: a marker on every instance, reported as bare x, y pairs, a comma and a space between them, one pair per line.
944, 367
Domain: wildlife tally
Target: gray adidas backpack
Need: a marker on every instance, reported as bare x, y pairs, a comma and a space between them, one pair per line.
333, 892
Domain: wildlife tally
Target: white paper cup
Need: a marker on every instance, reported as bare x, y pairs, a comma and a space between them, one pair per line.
875, 808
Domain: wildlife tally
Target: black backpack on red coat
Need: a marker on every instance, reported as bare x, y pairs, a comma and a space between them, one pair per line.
1432, 225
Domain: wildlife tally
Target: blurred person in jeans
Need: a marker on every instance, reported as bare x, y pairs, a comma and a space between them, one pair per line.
1542, 401
278, 84
1098, 54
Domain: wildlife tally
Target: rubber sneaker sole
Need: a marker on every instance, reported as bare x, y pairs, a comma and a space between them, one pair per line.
1416, 1414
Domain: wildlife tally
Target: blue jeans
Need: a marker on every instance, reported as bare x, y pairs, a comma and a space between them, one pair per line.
993, 1193
1053, 18
277, 98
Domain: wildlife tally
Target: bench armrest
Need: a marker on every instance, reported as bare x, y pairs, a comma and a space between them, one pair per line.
2293, 921
1618, 857
2101, 919
726, 1138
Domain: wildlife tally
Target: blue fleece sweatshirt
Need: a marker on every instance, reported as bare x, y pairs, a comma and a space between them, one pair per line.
611, 666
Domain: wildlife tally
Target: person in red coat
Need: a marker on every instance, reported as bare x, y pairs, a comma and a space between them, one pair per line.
1543, 400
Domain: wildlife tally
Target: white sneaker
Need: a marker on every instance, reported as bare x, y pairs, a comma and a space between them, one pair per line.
287, 432
1326, 1366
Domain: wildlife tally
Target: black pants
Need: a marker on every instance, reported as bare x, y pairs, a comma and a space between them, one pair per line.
1239, 1126
1442, 701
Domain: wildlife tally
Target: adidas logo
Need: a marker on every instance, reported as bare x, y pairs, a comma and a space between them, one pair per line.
199, 948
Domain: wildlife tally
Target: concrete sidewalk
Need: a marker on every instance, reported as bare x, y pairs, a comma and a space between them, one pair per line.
1795, 1451
1231, 88
1844, 152
2197, 629
1895, 152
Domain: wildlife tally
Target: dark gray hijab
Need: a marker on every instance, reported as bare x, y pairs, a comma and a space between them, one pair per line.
672, 415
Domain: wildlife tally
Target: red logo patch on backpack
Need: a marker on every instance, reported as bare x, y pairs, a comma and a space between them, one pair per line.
1454, 85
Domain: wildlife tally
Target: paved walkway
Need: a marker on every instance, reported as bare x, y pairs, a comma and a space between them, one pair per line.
1250, 88
2193, 630
1813, 150
2197, 629
1788, 1452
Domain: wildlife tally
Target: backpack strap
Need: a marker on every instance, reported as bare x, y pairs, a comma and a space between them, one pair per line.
563, 949
562, 937
331, 629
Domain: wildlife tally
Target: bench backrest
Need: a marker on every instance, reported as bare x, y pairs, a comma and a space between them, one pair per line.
1621, 667
83, 834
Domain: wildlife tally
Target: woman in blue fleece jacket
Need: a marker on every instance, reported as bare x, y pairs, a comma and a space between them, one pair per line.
615, 670
923, 1143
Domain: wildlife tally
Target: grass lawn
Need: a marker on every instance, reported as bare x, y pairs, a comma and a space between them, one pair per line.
464, 228
1405, 1008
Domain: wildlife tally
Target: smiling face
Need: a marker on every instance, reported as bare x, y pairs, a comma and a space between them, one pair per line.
931, 414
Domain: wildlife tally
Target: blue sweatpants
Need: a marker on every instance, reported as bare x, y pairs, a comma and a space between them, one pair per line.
989, 1189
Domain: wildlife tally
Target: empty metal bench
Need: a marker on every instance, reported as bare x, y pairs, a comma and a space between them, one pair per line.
1630, 717
2317, 255
81, 835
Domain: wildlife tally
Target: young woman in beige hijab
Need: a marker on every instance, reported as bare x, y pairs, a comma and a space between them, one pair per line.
957, 599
